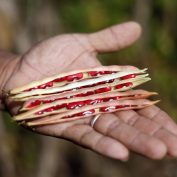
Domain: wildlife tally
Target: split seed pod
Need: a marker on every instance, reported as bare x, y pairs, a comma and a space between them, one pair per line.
78, 94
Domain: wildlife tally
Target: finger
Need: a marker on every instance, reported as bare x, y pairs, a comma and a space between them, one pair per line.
133, 119
157, 115
169, 139
56, 130
115, 37
88, 137
110, 125
152, 128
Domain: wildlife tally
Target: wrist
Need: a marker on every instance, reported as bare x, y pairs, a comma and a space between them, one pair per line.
8, 63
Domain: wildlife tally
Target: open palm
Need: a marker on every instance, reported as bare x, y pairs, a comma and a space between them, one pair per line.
149, 131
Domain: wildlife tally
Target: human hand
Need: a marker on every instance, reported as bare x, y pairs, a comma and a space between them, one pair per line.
115, 134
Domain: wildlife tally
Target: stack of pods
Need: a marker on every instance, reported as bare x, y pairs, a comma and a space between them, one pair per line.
79, 94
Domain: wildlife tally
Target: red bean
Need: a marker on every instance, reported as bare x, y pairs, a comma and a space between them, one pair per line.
50, 109
84, 94
47, 101
110, 81
122, 106
61, 79
109, 99
85, 113
74, 105
96, 73
107, 109
128, 84
39, 113
34, 103
104, 89
129, 76
57, 107
73, 77
43, 86
93, 73
92, 102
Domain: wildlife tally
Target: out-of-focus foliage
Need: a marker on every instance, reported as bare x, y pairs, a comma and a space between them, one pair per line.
24, 22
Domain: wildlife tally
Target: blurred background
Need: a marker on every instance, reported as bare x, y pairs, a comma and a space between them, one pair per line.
24, 22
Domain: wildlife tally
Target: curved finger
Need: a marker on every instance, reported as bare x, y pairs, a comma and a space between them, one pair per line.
152, 128
132, 138
86, 136
169, 139
115, 37
132, 118
80, 132
157, 115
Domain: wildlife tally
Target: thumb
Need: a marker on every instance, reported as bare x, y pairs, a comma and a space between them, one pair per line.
115, 37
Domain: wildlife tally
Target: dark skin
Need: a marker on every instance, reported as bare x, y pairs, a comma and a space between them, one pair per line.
149, 131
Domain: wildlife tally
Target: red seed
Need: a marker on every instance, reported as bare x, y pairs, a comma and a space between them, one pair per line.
57, 107
84, 94
74, 105
107, 109
73, 77
119, 86
109, 72
88, 102
128, 84
49, 109
129, 76
65, 117
96, 73
110, 81
39, 113
43, 86
102, 72
106, 99
85, 113
34, 103
109, 99
93, 102
93, 73
104, 89
122, 106
89, 93
79, 95
89, 112
96, 101
61, 79
100, 83
49, 84
47, 101
86, 86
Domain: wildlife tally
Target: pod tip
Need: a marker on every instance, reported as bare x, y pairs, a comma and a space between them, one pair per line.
153, 93
155, 102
